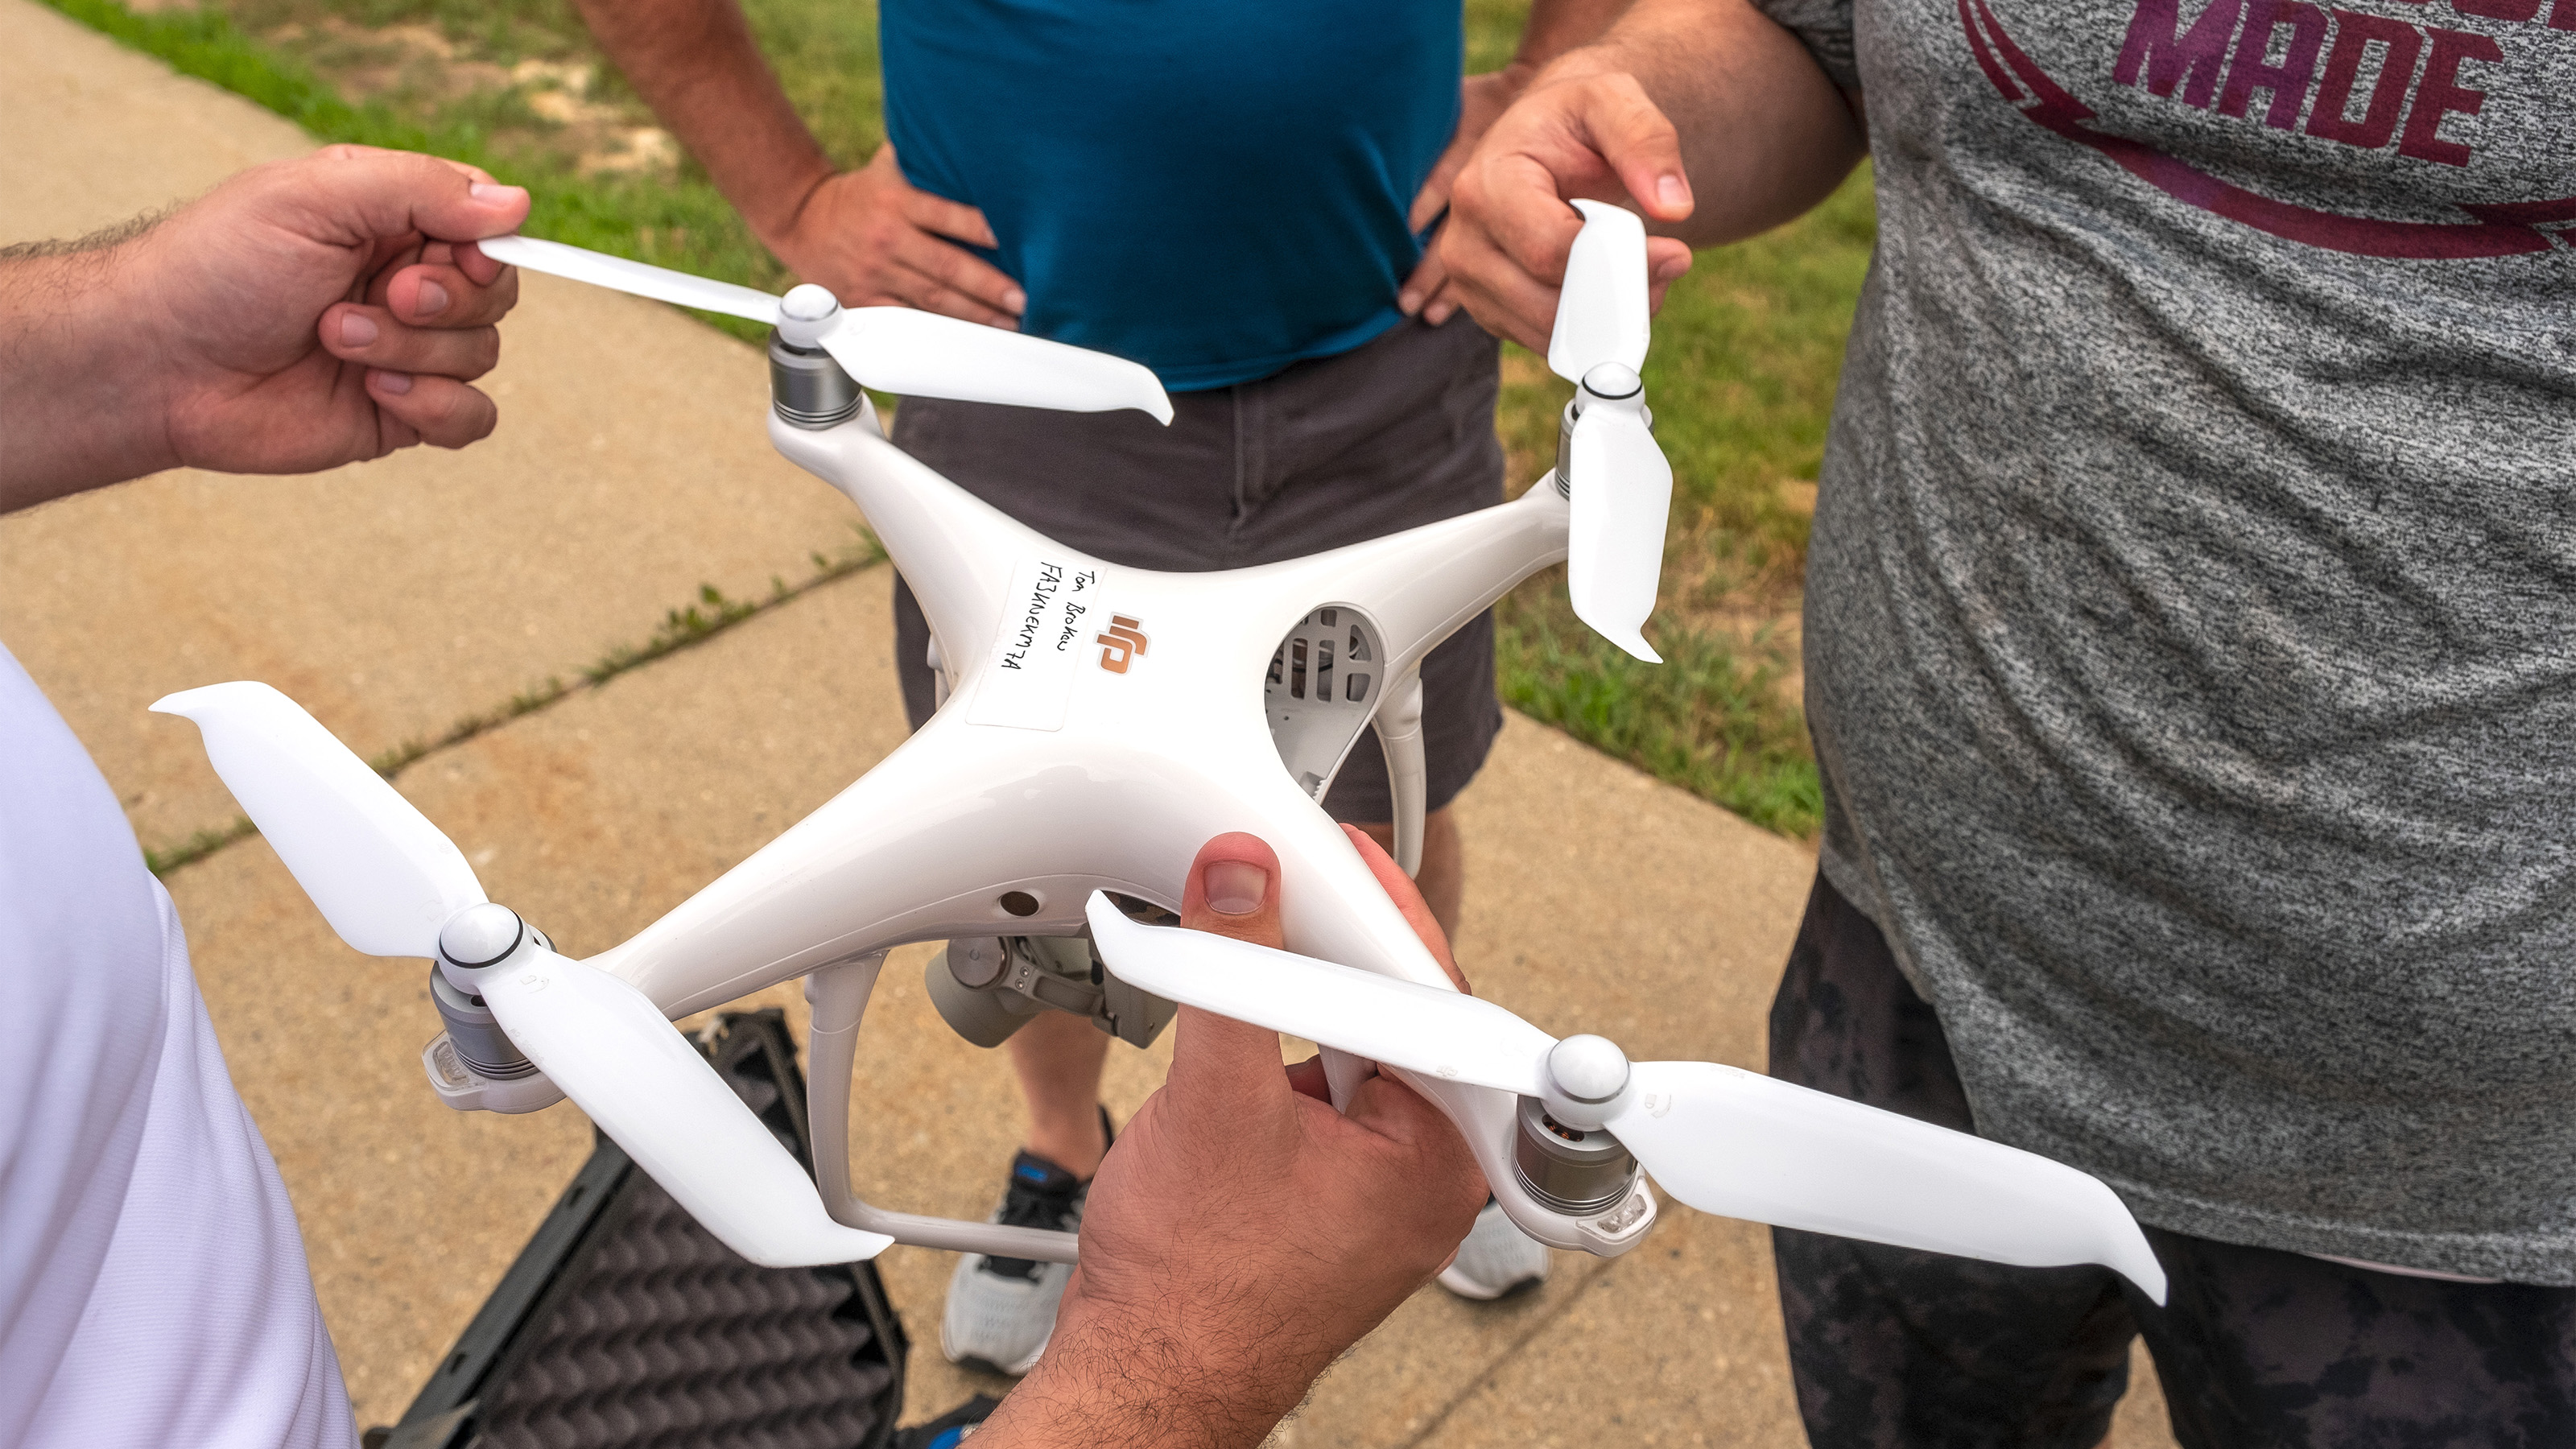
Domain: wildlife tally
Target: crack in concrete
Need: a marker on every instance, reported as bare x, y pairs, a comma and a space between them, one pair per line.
1591, 1279
682, 628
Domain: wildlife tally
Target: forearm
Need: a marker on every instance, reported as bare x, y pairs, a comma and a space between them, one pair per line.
78, 406
696, 64
1765, 134
1119, 1382
1557, 26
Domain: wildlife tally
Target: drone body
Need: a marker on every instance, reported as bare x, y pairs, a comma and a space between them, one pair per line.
1100, 723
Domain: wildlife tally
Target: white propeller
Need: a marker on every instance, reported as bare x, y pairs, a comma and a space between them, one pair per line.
1620, 488
893, 349
392, 885
1725, 1141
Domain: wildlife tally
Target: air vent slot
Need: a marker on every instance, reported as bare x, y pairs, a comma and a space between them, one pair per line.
1313, 719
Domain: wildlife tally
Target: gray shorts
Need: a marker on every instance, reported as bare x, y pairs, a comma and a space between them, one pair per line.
1391, 435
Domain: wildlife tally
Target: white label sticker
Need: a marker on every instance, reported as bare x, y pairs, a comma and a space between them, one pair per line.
1046, 617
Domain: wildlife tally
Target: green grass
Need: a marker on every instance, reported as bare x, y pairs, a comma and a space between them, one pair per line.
1741, 377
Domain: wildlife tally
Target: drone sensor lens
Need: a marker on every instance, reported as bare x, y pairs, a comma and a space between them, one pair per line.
1019, 903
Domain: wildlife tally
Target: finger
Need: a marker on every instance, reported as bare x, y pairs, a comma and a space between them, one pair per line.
1233, 890
1639, 142
948, 218
384, 263
1307, 1079
1400, 889
919, 289
1442, 306
482, 269
964, 273
428, 294
1506, 300
444, 412
1526, 219
373, 337
1443, 1165
1667, 261
1433, 198
356, 194
1429, 278
465, 169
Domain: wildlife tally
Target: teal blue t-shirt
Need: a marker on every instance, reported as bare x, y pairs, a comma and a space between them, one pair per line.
1214, 188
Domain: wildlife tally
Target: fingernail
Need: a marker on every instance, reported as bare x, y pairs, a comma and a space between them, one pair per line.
431, 302
492, 193
357, 329
396, 383
1671, 190
1408, 303
1016, 300
1235, 887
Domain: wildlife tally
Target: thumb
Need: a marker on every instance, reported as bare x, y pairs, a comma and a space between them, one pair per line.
1233, 890
360, 193
1640, 144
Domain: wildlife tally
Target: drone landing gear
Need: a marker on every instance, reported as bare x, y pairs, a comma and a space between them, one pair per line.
839, 996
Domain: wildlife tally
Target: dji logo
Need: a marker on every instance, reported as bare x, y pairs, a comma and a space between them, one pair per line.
1120, 646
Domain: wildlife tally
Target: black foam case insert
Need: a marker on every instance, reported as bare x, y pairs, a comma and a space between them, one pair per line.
625, 1325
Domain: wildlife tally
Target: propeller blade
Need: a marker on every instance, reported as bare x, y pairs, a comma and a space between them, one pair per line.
383, 876
618, 274
1622, 495
1424, 1029
1745, 1146
1601, 312
1725, 1141
610, 1049
912, 353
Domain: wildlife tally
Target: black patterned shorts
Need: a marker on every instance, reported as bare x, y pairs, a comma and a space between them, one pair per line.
2256, 1347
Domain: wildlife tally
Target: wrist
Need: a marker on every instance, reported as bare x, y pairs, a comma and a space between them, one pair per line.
1114, 1378
778, 213
79, 341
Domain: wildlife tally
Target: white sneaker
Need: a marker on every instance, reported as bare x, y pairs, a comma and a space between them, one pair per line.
1496, 1260
1001, 1311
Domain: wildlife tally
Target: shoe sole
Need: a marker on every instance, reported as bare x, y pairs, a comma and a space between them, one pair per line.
1475, 1292
981, 1364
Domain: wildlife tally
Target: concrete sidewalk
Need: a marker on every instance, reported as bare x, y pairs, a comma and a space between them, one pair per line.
630, 469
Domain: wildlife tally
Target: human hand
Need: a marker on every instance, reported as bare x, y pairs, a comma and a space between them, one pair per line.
1242, 1234
319, 311
1588, 134
877, 240
1482, 99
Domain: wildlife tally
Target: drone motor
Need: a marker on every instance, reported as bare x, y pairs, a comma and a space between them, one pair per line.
809, 389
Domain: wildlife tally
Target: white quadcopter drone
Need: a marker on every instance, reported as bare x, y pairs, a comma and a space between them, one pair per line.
1098, 725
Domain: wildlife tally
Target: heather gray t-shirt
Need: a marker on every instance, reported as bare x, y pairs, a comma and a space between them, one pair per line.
2191, 611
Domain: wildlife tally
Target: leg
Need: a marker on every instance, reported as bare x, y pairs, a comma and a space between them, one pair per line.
1059, 1058
1443, 878
1891, 1347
